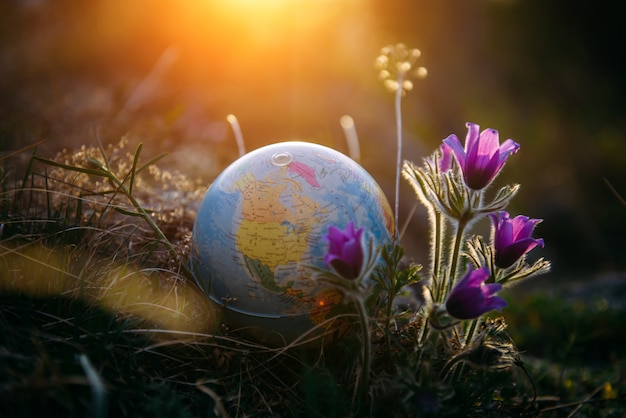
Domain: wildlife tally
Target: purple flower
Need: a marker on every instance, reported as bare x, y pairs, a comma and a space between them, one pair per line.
511, 238
483, 156
345, 251
471, 297
445, 161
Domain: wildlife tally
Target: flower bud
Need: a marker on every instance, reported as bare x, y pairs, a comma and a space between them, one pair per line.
345, 251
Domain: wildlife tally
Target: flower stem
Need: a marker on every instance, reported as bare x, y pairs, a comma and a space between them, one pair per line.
470, 332
398, 111
365, 371
388, 319
437, 225
467, 341
454, 259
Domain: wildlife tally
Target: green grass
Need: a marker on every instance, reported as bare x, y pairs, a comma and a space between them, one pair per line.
575, 351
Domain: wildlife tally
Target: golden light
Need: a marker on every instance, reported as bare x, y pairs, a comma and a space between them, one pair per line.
258, 23
281, 12
272, 9
254, 42
43, 272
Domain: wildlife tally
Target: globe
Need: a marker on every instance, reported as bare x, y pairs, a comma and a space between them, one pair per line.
258, 238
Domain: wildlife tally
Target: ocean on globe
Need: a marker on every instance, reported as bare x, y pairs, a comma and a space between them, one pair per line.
259, 235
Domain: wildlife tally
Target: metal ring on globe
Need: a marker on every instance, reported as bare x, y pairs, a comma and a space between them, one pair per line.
281, 159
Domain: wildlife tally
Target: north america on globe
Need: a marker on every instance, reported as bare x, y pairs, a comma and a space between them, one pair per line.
260, 228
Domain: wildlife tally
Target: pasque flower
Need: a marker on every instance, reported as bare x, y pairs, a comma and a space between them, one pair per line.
482, 157
345, 250
445, 161
471, 297
512, 237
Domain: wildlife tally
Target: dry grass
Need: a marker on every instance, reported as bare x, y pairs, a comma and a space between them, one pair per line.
100, 317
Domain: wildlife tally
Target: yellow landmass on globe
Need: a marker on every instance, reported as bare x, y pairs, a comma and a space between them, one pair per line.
271, 231
272, 243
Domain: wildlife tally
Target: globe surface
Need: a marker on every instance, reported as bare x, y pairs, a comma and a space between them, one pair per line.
260, 229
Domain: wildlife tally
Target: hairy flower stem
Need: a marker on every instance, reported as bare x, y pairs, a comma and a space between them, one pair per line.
438, 228
447, 368
470, 332
365, 371
467, 341
454, 258
424, 332
398, 111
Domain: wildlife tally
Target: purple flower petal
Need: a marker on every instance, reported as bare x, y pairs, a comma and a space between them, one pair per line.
471, 298
483, 157
455, 145
508, 148
512, 237
345, 250
445, 161
472, 137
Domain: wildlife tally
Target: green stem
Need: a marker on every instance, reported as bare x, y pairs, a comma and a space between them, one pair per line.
365, 372
424, 332
398, 110
454, 259
437, 225
388, 318
468, 340
470, 332
161, 236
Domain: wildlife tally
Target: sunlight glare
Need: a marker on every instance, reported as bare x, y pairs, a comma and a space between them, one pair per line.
270, 19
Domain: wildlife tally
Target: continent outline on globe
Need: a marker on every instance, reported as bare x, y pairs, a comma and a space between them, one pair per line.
260, 228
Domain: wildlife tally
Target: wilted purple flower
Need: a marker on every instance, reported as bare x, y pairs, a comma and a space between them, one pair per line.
345, 250
471, 297
512, 237
483, 156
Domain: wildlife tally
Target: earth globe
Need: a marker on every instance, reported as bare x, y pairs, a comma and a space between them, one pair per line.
258, 238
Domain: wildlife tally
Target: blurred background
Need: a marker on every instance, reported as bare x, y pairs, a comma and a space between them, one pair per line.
549, 74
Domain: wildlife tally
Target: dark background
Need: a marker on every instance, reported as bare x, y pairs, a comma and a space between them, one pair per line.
549, 74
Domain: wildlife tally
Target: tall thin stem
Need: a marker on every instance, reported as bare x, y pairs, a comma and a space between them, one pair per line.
475, 202
437, 225
456, 250
388, 312
365, 372
398, 110
470, 332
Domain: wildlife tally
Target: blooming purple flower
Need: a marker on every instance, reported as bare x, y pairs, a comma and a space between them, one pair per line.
445, 161
483, 156
471, 297
511, 238
345, 250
